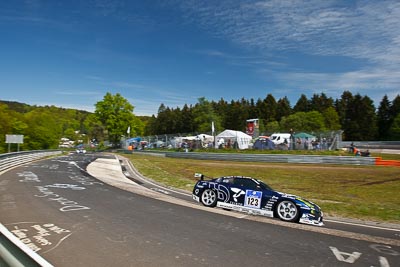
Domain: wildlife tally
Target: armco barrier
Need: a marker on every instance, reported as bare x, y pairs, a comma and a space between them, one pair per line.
15, 253
10, 160
276, 158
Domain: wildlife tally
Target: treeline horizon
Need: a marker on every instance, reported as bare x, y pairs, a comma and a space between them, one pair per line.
356, 115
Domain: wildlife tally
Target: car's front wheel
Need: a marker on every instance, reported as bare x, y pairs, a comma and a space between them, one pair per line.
209, 198
287, 211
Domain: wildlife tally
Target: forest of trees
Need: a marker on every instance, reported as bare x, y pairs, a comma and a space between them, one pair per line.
356, 115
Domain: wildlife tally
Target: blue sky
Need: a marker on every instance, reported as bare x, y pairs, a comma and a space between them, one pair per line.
71, 53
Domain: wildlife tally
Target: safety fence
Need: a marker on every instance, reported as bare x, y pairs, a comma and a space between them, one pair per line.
276, 158
329, 140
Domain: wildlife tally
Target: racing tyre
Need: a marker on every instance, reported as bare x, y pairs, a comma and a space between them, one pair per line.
288, 211
209, 198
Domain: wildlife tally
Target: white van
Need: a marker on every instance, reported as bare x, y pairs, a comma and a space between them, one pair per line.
279, 138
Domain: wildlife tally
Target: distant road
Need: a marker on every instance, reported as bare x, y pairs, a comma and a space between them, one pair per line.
73, 219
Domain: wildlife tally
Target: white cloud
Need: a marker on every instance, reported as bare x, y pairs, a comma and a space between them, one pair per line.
313, 27
364, 31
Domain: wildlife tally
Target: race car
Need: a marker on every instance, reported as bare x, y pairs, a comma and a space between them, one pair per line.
250, 195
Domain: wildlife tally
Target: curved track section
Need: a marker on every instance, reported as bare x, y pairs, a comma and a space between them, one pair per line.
71, 218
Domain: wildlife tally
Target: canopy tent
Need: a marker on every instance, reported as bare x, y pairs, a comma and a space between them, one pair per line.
304, 135
205, 138
263, 143
230, 136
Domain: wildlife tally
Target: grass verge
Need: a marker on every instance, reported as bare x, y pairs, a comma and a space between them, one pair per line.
360, 192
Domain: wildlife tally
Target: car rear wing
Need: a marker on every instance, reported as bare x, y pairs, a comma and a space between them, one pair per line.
199, 176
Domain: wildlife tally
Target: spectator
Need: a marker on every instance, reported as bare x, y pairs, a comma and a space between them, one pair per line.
306, 143
356, 151
352, 147
366, 153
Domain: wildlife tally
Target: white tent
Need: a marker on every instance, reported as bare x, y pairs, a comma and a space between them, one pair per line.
243, 140
205, 138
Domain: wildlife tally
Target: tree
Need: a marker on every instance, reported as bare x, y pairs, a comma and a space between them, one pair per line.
269, 109
360, 119
204, 115
395, 109
320, 102
151, 127
187, 119
302, 105
236, 117
343, 106
303, 121
95, 128
43, 131
283, 108
331, 119
116, 114
394, 123
221, 109
272, 127
395, 128
384, 118
5, 125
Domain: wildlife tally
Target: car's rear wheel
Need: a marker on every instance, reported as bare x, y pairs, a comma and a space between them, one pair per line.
288, 211
209, 198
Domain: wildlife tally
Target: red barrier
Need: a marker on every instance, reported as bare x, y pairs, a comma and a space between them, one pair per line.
385, 162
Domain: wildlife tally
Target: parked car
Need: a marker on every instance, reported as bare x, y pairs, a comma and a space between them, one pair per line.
81, 151
280, 138
247, 194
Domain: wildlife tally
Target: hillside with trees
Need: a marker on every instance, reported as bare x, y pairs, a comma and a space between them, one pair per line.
356, 115
43, 127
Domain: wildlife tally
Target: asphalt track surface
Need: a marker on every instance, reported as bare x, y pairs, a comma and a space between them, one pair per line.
81, 210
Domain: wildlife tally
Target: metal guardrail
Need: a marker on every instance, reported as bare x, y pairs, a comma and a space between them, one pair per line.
12, 251
15, 253
275, 158
373, 144
10, 160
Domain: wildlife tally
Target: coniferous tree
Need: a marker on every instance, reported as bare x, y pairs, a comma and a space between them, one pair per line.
271, 108
395, 107
160, 126
395, 128
204, 115
342, 107
233, 119
384, 118
302, 105
283, 108
361, 119
151, 126
320, 102
187, 120
221, 109
393, 133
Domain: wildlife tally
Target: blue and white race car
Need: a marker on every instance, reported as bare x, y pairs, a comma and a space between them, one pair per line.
246, 194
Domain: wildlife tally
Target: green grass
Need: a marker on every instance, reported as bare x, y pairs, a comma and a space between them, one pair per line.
292, 152
361, 192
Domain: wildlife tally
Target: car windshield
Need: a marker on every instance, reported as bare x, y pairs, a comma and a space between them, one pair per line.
264, 185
